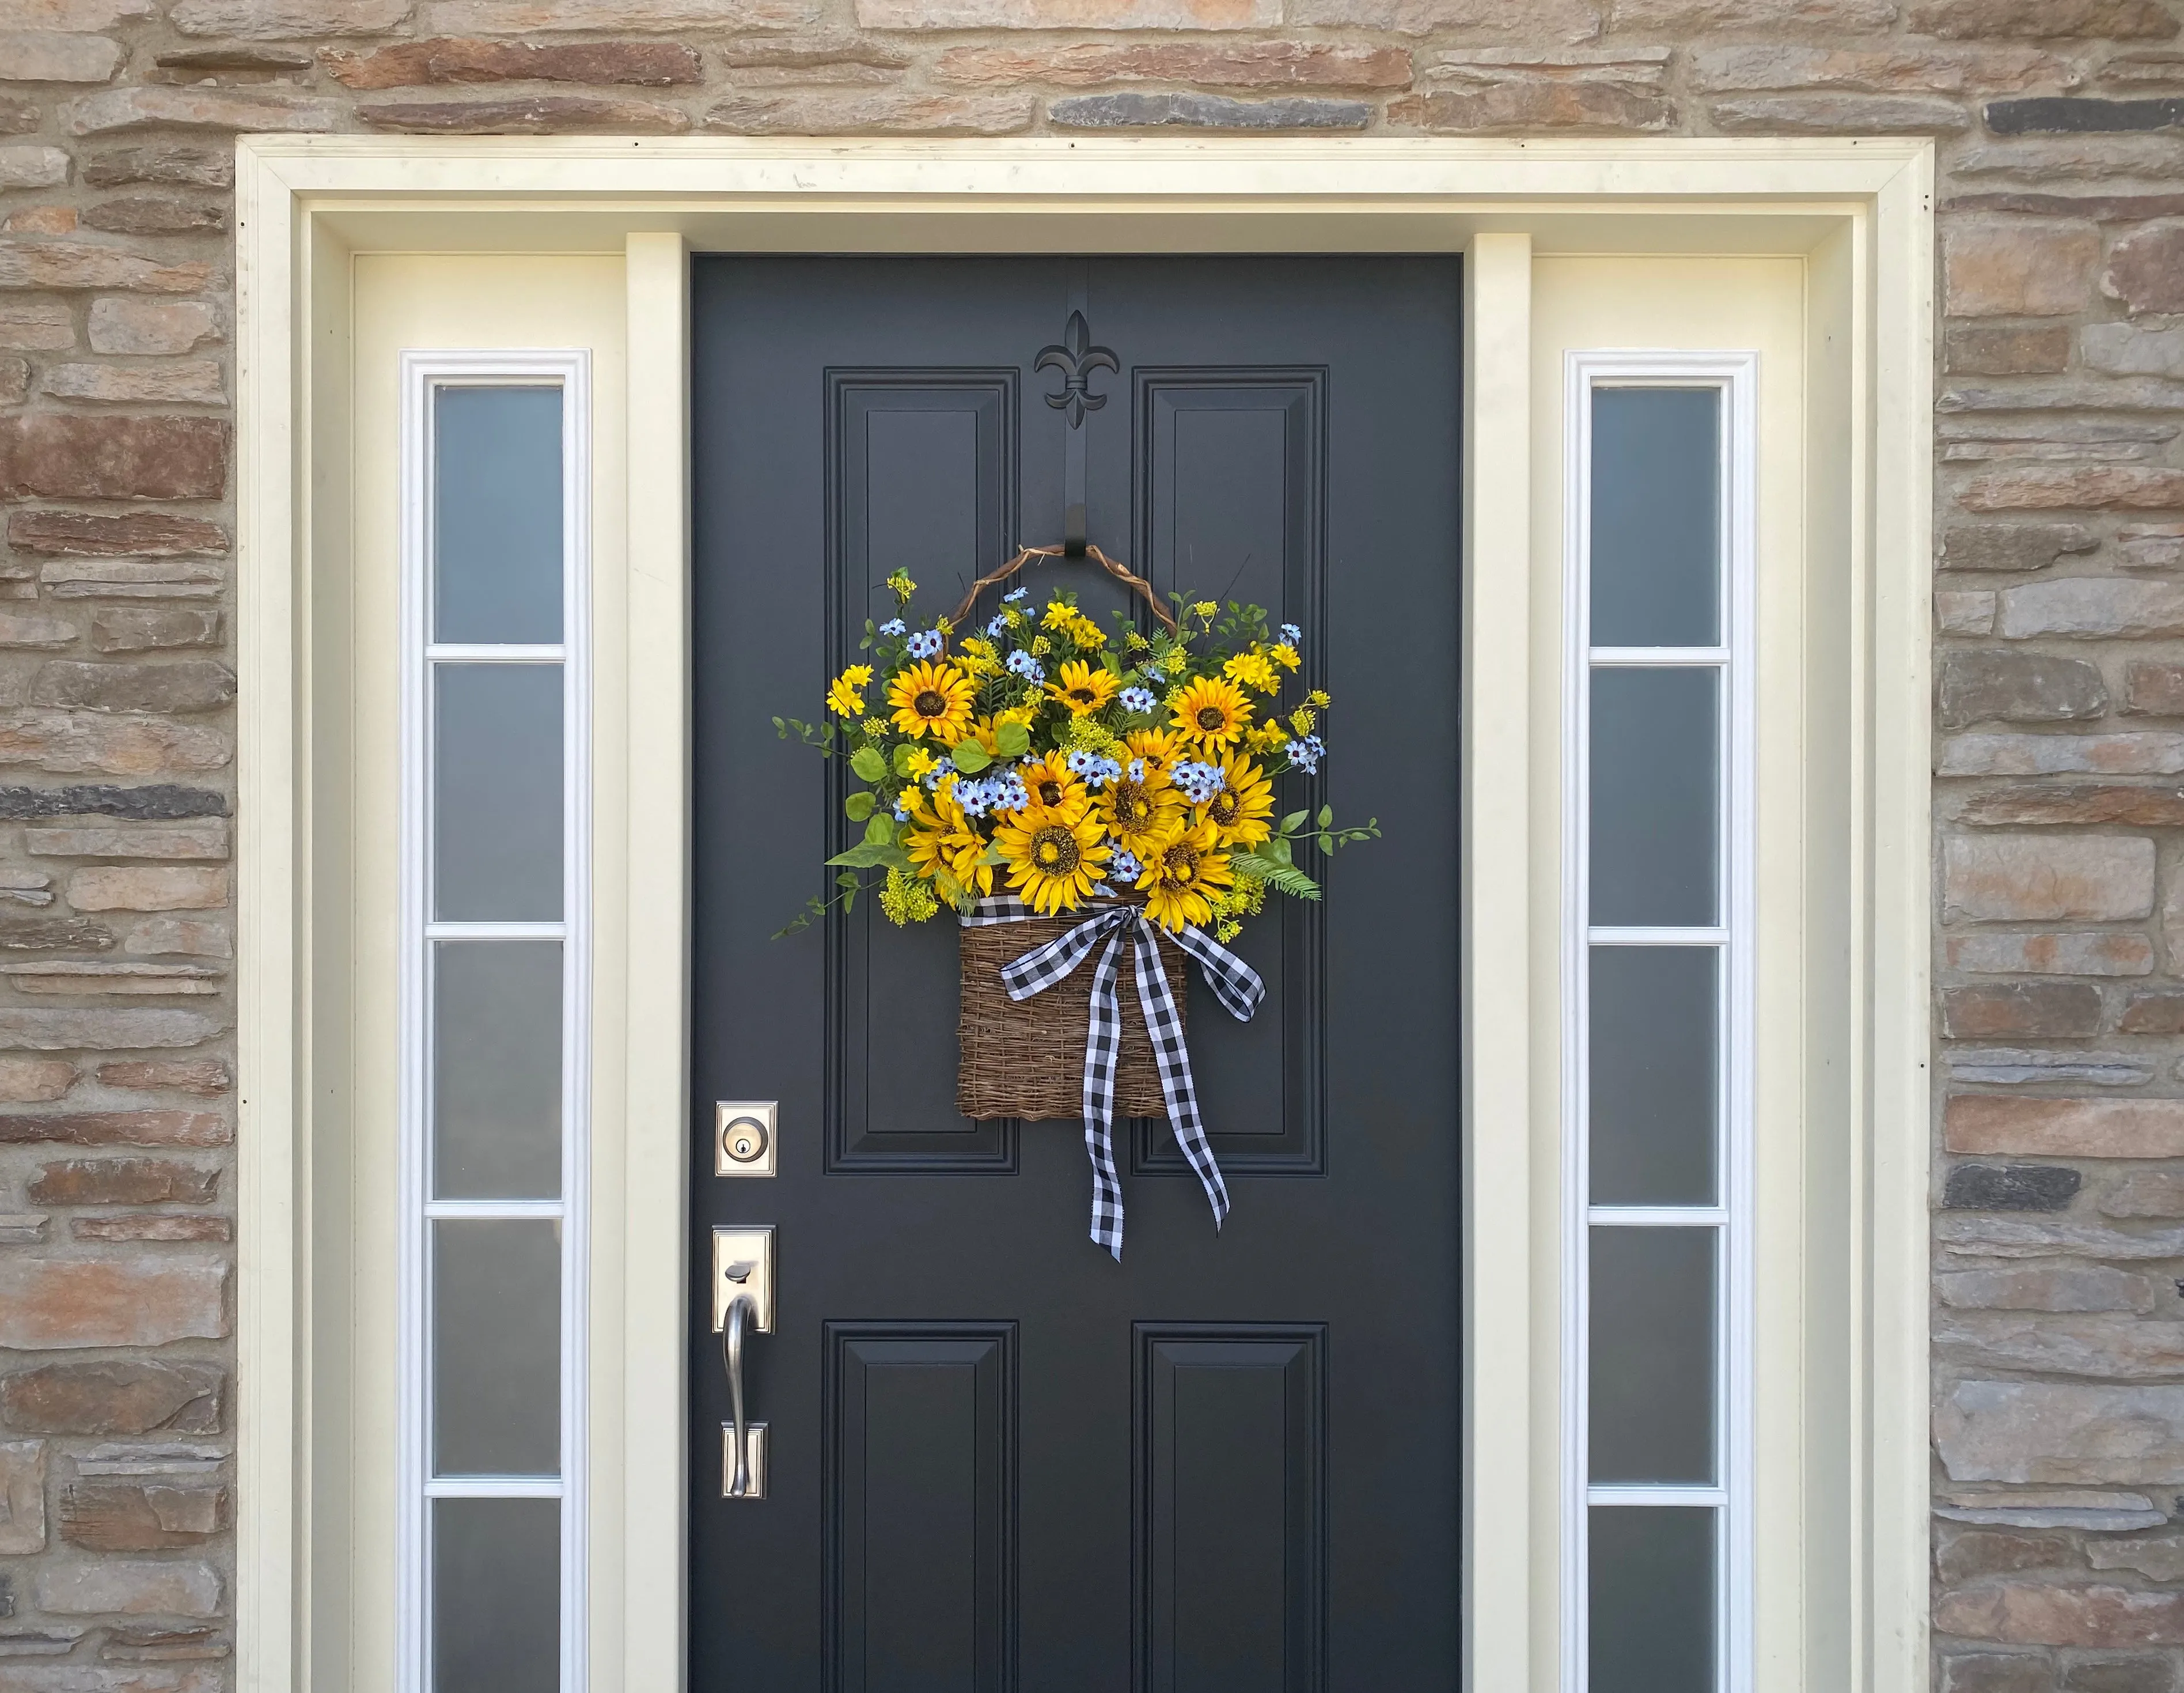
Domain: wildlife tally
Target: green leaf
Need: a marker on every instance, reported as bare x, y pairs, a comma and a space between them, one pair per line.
869, 765
873, 855
1279, 851
857, 807
971, 758
902, 752
1294, 822
880, 832
1014, 739
1326, 815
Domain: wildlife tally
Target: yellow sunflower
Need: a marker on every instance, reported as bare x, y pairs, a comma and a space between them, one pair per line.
845, 694
1137, 812
1053, 785
1055, 860
943, 839
1184, 873
1084, 688
931, 700
1157, 747
1211, 713
1239, 812
1255, 670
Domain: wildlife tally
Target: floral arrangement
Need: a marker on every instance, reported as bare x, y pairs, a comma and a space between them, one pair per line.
1049, 757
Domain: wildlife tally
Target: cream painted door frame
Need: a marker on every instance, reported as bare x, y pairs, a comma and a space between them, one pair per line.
1857, 215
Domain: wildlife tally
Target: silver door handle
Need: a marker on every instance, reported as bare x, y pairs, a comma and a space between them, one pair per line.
732, 1354
742, 1304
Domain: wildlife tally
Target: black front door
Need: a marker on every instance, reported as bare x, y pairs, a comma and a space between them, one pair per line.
997, 1459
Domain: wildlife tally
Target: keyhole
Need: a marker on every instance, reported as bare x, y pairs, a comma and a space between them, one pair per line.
746, 1141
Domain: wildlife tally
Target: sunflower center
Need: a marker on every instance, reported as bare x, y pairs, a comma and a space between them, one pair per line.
1054, 851
1133, 810
1181, 863
1050, 792
1212, 716
930, 705
1082, 696
1223, 808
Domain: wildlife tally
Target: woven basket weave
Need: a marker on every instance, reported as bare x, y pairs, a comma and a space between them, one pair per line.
1026, 1059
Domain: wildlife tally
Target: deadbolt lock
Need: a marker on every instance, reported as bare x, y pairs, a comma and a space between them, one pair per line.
742, 1137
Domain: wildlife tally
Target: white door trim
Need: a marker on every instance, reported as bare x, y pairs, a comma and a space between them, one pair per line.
1860, 211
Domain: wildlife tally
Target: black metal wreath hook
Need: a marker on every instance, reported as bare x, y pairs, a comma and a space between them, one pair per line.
1077, 358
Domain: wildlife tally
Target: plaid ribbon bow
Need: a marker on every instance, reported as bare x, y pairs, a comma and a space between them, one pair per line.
1235, 984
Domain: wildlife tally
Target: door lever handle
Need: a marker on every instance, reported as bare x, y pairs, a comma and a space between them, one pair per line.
738, 1483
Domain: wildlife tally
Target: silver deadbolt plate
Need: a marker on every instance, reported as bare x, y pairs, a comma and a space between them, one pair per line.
743, 1137
743, 1263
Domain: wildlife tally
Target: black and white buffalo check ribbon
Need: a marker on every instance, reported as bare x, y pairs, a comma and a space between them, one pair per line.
1235, 984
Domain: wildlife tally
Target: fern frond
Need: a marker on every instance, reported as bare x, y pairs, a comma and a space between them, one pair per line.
1283, 879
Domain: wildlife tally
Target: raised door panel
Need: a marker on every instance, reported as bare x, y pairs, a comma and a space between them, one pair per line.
921, 476
920, 1507
1231, 1467
1230, 482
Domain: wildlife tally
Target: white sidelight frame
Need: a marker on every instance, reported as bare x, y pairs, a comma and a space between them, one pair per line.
424, 376
1734, 376
1844, 1527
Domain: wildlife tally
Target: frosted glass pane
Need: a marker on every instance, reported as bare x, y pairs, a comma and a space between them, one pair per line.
497, 793
497, 514
1655, 517
1655, 772
496, 1069
496, 1347
1652, 1576
1653, 1361
496, 1595
1652, 1043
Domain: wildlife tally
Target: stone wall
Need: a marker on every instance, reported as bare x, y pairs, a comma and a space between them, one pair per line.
2060, 1367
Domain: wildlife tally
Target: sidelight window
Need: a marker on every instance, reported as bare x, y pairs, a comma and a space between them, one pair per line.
493, 1031
1657, 1043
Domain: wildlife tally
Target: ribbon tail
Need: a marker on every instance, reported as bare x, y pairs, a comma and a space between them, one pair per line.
1233, 982
1170, 1052
1103, 1044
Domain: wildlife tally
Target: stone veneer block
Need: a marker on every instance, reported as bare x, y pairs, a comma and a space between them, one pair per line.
2039, 878
22, 1496
130, 1588
2065, 1129
2029, 1431
48, 1303
1069, 14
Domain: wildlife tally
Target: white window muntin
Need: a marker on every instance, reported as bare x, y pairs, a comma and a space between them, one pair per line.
1734, 375
424, 376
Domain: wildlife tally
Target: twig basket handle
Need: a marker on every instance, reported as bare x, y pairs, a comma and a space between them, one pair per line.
1120, 572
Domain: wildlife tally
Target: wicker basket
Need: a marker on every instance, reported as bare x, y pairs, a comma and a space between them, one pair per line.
1026, 1059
